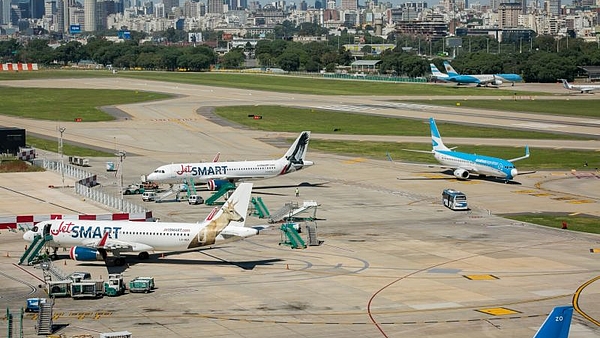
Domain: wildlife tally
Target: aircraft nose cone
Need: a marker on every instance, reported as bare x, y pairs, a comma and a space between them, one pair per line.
28, 236
514, 172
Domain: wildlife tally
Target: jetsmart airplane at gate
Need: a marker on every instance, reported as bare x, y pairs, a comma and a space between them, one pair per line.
94, 240
217, 173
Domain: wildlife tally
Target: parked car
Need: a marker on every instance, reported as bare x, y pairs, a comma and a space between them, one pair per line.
195, 199
148, 196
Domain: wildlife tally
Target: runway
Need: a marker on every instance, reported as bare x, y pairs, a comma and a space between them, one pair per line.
394, 261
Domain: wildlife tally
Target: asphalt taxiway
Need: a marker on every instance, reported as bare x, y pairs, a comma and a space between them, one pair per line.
393, 262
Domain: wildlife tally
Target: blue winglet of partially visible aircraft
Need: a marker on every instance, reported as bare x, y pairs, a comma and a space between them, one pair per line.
557, 323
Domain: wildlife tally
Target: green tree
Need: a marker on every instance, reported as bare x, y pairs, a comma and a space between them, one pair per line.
69, 52
234, 58
289, 61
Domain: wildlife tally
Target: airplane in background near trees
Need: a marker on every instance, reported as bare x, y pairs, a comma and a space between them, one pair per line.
584, 88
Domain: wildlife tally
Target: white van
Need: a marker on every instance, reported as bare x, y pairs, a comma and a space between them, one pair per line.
195, 199
148, 196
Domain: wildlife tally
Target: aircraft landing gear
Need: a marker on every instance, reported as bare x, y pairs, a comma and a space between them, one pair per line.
143, 255
119, 261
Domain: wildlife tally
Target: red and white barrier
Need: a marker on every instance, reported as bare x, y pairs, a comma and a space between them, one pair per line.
14, 222
18, 66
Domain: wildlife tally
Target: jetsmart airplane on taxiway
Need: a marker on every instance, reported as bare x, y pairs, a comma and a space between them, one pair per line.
217, 173
93, 240
465, 164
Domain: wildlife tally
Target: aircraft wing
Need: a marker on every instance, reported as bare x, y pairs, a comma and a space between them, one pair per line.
116, 245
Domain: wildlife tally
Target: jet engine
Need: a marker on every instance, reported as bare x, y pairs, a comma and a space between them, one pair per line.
497, 82
461, 174
213, 185
82, 253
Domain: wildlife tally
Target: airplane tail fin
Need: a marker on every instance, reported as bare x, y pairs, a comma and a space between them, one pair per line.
436, 138
522, 157
239, 200
557, 323
436, 72
449, 70
566, 84
295, 156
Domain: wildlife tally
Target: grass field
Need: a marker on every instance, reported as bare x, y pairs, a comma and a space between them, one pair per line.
68, 149
67, 104
326, 121
574, 223
587, 108
54, 74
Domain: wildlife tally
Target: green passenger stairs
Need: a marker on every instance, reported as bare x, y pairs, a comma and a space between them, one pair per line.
291, 237
260, 209
212, 200
32, 253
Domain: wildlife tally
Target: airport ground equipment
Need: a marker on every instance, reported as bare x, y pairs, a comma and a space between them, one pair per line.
31, 255
225, 188
33, 304
291, 212
44, 322
454, 199
195, 199
191, 187
121, 334
174, 189
59, 288
134, 189
260, 209
291, 237
140, 285
87, 289
149, 279
114, 286
311, 230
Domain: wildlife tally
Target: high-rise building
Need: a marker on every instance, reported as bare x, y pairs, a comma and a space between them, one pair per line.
215, 6
89, 8
509, 14
5, 16
169, 4
37, 8
554, 7
349, 5
50, 8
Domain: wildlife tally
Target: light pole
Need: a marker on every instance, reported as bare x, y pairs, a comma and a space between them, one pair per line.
61, 130
122, 155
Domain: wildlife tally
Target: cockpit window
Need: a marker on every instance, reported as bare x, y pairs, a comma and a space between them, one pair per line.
34, 229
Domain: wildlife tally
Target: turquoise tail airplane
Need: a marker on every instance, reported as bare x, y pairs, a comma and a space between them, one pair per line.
557, 324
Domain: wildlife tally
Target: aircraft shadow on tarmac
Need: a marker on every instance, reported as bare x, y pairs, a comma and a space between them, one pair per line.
163, 258
451, 177
303, 184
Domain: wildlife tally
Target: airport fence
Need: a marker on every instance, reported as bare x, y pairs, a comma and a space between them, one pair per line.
84, 186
